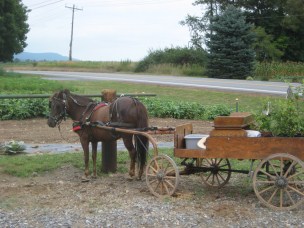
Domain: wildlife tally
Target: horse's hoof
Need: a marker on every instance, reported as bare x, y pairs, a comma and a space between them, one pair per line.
85, 179
94, 177
138, 178
129, 178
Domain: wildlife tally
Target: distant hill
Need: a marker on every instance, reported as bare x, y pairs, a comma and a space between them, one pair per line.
48, 56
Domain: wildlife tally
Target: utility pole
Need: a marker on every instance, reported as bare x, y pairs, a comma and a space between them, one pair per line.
72, 30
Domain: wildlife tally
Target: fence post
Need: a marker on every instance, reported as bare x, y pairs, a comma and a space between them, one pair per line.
109, 148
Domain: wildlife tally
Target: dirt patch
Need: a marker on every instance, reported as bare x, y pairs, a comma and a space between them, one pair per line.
37, 130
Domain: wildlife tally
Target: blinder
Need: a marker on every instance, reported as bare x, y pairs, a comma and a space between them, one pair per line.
63, 114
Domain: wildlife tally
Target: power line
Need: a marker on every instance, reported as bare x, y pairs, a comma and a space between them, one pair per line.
38, 7
72, 29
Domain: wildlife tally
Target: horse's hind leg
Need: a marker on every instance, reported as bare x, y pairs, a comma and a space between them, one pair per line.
94, 156
127, 139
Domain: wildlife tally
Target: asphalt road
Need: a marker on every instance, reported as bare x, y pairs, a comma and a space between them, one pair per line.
274, 88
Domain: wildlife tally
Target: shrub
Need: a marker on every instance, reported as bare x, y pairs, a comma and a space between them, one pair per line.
285, 119
23, 108
176, 56
183, 110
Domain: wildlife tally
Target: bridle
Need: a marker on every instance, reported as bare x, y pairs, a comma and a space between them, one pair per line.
63, 114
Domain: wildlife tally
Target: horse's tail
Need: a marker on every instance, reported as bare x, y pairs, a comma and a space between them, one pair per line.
141, 142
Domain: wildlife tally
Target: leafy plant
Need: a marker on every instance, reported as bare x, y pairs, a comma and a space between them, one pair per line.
23, 108
285, 119
13, 147
183, 110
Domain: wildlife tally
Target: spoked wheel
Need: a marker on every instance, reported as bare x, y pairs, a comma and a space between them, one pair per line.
281, 185
162, 176
217, 172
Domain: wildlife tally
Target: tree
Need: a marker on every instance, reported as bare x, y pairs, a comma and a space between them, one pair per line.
13, 28
280, 19
230, 52
265, 49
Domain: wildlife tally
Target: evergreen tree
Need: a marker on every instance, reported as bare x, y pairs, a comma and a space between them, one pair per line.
13, 28
229, 44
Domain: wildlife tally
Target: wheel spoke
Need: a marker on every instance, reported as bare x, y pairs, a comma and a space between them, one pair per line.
281, 198
296, 182
218, 181
294, 175
266, 189
169, 183
223, 179
152, 181
273, 194
289, 196
154, 170
272, 177
151, 175
274, 169
223, 165
210, 162
281, 166
156, 164
265, 182
219, 162
296, 190
289, 168
166, 188
169, 172
208, 176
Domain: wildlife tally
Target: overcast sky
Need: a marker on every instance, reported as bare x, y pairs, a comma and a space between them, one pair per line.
108, 30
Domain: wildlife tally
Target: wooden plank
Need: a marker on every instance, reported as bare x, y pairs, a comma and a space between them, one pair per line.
231, 133
179, 135
234, 121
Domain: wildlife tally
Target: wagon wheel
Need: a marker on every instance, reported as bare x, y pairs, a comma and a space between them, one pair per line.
281, 185
216, 172
162, 176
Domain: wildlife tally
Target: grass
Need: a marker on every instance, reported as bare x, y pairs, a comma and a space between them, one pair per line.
24, 165
20, 84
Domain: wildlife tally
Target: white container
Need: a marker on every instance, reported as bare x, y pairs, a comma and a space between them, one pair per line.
192, 140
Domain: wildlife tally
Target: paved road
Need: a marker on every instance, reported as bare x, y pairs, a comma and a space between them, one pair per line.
274, 88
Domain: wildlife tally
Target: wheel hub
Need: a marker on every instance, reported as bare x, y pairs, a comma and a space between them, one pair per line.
214, 169
160, 175
281, 182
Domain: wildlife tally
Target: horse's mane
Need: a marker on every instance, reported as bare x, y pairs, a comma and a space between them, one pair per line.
80, 99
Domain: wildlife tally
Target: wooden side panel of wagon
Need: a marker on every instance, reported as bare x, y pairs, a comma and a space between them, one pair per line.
245, 148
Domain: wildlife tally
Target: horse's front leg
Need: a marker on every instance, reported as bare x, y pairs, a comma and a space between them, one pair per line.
94, 156
86, 153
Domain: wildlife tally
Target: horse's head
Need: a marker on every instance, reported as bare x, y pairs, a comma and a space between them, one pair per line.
58, 108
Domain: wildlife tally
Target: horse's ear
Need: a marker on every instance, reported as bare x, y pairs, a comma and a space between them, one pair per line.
66, 91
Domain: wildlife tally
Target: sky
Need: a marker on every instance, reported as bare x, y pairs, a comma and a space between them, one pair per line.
107, 30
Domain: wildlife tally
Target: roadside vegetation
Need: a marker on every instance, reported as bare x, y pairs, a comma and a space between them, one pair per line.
264, 71
175, 102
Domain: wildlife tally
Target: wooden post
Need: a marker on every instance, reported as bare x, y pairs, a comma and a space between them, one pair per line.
109, 148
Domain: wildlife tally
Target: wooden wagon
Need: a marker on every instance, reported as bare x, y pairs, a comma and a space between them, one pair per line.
278, 179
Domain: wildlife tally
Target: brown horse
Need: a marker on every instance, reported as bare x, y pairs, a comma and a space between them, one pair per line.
124, 111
